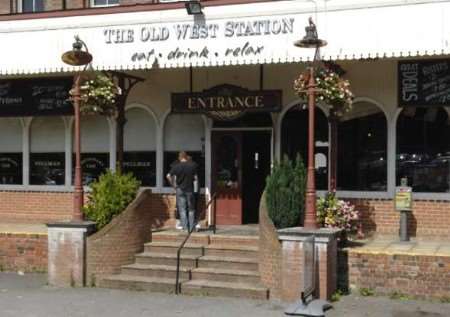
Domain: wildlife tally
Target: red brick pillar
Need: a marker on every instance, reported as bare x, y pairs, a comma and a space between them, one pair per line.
67, 253
293, 262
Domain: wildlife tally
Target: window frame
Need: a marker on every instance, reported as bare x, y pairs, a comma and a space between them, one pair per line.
93, 5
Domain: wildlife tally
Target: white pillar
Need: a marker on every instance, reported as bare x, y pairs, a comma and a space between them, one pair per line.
26, 152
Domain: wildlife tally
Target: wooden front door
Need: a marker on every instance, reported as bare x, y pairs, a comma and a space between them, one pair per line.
227, 176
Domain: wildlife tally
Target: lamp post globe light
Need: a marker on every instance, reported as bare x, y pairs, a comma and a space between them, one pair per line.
77, 57
311, 40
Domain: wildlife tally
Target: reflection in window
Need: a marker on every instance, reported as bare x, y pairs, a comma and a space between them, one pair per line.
184, 132
47, 158
10, 151
227, 169
140, 146
362, 145
32, 6
93, 165
102, 3
294, 140
423, 149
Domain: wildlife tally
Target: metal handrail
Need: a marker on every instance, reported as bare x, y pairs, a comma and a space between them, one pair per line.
177, 281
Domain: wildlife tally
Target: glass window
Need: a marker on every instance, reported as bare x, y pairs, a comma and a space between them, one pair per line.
362, 145
10, 151
423, 149
294, 140
32, 5
140, 146
184, 132
95, 147
47, 156
101, 3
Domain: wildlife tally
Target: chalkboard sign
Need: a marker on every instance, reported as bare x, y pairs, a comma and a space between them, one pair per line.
35, 97
424, 82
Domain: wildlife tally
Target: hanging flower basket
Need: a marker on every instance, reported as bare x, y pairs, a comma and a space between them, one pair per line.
98, 96
331, 89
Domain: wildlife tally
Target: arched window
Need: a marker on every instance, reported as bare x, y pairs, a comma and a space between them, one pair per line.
423, 149
294, 140
184, 132
95, 146
140, 146
10, 151
362, 148
47, 151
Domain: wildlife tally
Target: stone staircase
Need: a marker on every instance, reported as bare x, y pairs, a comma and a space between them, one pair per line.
213, 265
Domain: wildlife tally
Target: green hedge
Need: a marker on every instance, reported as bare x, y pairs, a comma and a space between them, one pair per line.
110, 195
285, 193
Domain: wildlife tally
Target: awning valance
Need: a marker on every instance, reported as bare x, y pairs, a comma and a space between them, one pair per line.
258, 33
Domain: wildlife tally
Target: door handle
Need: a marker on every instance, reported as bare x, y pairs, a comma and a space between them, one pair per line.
256, 160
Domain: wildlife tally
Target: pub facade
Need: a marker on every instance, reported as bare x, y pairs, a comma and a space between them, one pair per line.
219, 85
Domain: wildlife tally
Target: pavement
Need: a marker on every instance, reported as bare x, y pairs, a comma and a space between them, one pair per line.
392, 245
28, 296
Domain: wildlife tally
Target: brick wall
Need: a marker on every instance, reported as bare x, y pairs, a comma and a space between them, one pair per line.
414, 275
430, 219
35, 207
269, 252
117, 243
23, 252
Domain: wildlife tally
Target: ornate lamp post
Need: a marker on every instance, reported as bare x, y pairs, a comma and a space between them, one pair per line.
311, 40
77, 57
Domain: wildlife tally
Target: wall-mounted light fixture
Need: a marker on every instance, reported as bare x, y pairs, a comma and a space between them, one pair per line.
193, 7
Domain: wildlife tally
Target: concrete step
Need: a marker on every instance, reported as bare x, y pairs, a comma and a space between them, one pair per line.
138, 283
149, 270
172, 248
230, 263
234, 240
179, 236
232, 250
226, 275
189, 261
227, 289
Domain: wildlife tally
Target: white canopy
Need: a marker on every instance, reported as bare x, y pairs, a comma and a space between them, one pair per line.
256, 33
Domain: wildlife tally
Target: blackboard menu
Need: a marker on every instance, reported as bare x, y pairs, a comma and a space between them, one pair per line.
35, 97
424, 82
142, 165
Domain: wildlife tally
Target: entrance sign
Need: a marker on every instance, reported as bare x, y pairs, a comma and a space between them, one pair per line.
424, 82
35, 97
403, 198
227, 102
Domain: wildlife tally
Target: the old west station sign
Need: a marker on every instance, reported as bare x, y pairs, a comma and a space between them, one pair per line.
227, 102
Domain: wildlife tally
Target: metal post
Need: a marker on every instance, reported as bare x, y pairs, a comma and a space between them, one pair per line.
78, 190
333, 152
404, 234
310, 210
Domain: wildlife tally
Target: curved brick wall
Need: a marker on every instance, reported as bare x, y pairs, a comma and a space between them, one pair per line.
117, 243
269, 252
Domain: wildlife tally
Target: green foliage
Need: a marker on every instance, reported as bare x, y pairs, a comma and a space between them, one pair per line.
336, 296
285, 192
110, 195
366, 291
399, 296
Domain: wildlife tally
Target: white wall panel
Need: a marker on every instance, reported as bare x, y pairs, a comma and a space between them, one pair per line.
10, 135
139, 131
47, 134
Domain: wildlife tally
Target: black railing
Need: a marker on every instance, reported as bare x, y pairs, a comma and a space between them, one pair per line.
177, 279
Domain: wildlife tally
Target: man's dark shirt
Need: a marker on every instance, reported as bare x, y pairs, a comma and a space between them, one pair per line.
185, 173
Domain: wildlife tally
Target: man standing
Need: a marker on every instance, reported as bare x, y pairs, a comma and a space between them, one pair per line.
182, 176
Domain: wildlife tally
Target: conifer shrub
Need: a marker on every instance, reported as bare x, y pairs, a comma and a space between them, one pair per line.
285, 193
110, 195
